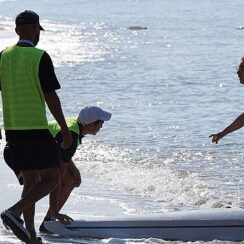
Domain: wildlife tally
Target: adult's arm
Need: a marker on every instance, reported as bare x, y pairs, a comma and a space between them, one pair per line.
55, 108
235, 125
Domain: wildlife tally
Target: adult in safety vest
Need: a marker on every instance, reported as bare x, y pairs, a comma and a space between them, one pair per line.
27, 82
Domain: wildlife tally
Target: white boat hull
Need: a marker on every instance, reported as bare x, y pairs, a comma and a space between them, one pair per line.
221, 224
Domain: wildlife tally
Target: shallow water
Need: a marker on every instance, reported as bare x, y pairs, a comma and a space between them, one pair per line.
169, 84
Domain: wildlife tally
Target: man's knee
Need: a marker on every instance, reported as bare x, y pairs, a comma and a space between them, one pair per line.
68, 181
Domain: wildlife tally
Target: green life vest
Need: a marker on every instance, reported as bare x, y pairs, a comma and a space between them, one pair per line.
22, 95
72, 124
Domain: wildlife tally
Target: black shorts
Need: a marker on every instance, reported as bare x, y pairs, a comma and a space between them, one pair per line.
9, 161
31, 155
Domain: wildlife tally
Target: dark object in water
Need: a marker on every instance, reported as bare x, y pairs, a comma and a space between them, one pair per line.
135, 27
240, 28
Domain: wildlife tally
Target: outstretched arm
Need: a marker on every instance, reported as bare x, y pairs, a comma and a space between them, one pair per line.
235, 125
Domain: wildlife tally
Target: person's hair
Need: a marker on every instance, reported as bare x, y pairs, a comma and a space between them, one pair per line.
241, 65
98, 121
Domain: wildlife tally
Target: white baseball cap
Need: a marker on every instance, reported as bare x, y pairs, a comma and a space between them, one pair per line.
90, 114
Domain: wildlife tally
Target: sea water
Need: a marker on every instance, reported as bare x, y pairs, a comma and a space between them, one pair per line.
166, 70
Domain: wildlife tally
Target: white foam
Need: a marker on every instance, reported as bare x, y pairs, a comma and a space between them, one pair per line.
119, 170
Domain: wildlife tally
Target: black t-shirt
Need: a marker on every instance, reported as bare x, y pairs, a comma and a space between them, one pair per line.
67, 154
49, 83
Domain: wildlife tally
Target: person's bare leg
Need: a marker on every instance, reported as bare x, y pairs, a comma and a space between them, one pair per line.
31, 194
49, 179
67, 186
29, 213
55, 194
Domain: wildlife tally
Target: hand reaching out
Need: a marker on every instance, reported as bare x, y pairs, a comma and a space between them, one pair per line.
216, 137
